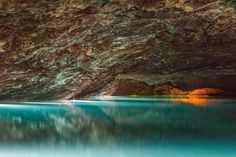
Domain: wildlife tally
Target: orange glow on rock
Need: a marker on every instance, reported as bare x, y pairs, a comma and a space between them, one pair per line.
205, 91
195, 97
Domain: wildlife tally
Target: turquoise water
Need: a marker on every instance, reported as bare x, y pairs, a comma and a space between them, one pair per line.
119, 127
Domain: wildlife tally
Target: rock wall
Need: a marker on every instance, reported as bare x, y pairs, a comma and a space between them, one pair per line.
67, 49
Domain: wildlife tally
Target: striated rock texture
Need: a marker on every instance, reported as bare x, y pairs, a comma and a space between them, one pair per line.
65, 49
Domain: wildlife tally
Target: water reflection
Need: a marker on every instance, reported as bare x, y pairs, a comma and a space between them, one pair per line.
189, 100
118, 121
199, 101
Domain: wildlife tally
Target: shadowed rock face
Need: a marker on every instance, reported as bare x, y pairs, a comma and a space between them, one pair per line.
74, 48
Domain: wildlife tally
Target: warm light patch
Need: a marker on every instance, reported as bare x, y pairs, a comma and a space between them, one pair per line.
194, 97
205, 91
198, 101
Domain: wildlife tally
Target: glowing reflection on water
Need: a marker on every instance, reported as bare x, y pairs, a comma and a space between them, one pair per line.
119, 127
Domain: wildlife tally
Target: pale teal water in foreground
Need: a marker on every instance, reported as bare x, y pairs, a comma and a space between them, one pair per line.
119, 127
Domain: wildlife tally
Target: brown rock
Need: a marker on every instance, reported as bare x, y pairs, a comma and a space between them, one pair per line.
59, 50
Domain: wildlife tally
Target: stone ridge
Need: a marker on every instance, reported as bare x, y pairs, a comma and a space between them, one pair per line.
68, 49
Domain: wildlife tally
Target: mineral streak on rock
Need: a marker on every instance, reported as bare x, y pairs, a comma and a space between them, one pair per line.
67, 49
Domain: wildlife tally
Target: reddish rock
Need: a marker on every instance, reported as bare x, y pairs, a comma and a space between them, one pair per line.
129, 87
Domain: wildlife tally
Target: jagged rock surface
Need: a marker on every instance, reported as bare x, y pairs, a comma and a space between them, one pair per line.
74, 48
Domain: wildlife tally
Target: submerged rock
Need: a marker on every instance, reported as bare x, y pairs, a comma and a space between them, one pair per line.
74, 48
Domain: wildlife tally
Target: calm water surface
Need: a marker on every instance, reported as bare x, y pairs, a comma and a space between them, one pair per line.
119, 127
